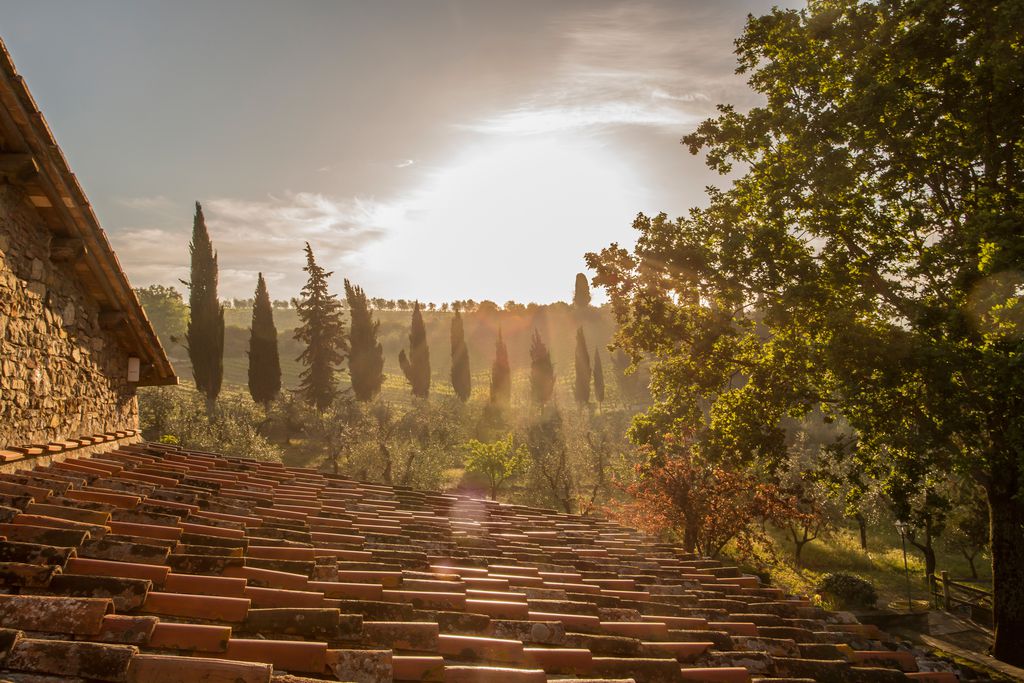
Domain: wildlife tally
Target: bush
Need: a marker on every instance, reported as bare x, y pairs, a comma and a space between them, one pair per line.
496, 462
845, 591
177, 415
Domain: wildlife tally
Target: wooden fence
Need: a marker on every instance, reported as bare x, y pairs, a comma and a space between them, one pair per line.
960, 598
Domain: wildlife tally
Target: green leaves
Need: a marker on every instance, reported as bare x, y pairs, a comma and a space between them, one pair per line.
205, 335
542, 371
264, 359
498, 460
322, 330
416, 365
366, 354
461, 377
869, 257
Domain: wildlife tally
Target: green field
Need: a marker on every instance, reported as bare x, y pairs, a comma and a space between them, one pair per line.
557, 324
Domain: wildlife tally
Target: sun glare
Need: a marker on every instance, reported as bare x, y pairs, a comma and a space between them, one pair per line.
526, 200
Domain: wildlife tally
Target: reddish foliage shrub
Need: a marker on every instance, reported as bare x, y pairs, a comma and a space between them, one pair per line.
703, 504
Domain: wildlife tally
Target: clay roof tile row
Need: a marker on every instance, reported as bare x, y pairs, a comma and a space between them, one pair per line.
154, 563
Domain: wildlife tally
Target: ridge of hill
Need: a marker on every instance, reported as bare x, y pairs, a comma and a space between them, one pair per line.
557, 324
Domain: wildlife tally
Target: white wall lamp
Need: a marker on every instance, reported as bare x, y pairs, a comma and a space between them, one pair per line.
133, 369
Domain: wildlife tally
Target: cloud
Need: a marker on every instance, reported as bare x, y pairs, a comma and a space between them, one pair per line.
627, 65
251, 236
529, 121
158, 202
687, 97
404, 163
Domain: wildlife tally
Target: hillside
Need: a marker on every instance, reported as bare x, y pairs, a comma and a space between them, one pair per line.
557, 324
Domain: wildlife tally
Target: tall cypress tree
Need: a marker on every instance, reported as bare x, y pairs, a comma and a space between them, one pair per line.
322, 330
598, 376
460, 359
416, 365
581, 297
501, 374
583, 370
205, 335
264, 361
542, 371
366, 354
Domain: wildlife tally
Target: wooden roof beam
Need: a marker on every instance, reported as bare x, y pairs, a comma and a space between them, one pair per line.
18, 168
67, 249
111, 320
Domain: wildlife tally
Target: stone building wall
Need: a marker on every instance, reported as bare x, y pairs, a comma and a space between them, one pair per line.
61, 375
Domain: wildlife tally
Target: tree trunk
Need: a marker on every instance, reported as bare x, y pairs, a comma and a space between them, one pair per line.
385, 455
929, 559
927, 549
862, 525
798, 545
970, 560
690, 532
1006, 515
797, 552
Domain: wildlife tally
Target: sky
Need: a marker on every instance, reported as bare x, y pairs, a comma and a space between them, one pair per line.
426, 149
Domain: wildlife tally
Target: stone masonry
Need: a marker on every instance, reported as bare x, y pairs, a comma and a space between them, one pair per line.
61, 375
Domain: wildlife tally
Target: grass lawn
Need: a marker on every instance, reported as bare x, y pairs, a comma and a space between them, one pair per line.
882, 564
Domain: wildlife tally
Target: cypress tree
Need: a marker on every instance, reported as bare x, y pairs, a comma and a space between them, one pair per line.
366, 354
581, 297
461, 382
598, 376
264, 361
416, 365
501, 374
205, 335
583, 370
542, 371
322, 330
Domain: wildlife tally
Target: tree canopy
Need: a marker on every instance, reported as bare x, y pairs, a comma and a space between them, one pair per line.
461, 377
498, 461
416, 365
581, 387
501, 374
598, 376
205, 335
322, 330
581, 292
867, 258
166, 310
264, 360
366, 353
542, 371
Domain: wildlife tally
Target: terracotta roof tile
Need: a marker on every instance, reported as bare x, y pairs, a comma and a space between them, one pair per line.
149, 668
127, 630
246, 571
127, 593
96, 661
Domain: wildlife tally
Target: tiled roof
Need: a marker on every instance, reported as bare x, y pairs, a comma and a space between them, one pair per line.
149, 563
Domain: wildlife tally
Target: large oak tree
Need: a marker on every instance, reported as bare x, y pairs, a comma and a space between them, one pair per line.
867, 257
